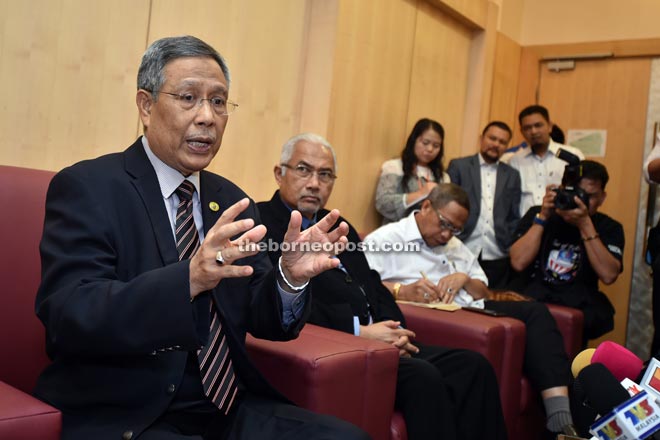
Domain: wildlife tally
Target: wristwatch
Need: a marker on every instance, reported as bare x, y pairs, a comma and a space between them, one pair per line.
395, 290
539, 221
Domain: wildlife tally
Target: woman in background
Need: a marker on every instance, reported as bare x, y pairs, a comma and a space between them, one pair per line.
404, 183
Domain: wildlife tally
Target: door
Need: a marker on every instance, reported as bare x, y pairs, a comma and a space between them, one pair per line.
609, 94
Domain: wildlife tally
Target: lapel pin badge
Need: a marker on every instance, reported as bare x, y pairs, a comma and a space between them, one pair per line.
214, 206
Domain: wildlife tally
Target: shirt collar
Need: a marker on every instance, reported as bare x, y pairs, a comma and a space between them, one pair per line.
484, 164
410, 230
552, 149
169, 179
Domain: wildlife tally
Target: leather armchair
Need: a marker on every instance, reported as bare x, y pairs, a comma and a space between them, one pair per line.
22, 196
334, 373
354, 378
502, 341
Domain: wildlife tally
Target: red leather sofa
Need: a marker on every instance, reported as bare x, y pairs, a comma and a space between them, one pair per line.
22, 197
323, 370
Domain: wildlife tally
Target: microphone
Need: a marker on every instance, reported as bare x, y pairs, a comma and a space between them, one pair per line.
582, 359
620, 361
602, 391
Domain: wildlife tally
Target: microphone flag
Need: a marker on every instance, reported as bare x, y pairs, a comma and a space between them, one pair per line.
636, 418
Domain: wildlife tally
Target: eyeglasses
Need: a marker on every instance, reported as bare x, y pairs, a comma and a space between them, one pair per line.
187, 101
303, 171
446, 224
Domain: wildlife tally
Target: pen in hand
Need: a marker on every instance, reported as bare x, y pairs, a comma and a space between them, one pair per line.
426, 294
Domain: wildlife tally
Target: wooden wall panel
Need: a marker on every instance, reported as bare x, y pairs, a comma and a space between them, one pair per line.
440, 70
369, 105
359, 72
319, 56
262, 42
505, 80
479, 82
69, 71
471, 12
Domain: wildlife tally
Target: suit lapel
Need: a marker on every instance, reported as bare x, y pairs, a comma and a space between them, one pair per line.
475, 176
212, 203
146, 184
500, 182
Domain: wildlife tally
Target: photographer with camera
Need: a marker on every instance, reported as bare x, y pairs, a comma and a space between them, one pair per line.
537, 163
565, 246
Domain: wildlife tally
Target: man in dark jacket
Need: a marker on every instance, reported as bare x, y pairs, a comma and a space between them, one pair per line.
143, 278
440, 391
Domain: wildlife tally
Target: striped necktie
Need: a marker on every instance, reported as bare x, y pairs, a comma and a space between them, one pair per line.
217, 373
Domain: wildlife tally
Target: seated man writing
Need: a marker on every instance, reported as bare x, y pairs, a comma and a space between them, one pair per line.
445, 270
436, 386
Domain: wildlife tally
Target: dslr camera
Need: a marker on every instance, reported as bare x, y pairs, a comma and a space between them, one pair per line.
564, 198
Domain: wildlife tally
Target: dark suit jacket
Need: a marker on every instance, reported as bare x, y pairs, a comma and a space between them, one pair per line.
115, 299
337, 295
465, 172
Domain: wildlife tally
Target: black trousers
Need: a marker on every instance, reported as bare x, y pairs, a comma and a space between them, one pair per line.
253, 418
449, 394
546, 363
655, 343
498, 272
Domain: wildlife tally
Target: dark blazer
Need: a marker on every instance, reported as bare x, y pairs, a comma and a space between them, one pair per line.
115, 299
337, 295
465, 172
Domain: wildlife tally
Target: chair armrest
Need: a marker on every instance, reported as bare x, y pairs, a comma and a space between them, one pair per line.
500, 339
23, 417
570, 322
335, 373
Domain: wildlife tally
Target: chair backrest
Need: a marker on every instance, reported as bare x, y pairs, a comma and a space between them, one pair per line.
22, 339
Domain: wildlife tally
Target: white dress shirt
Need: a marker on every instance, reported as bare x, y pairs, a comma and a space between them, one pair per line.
436, 262
482, 240
169, 180
537, 172
654, 154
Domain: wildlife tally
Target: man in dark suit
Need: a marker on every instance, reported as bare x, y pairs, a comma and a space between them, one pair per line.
441, 392
493, 189
147, 293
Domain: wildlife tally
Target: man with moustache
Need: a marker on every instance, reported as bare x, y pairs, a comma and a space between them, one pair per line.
436, 386
147, 293
493, 189
537, 164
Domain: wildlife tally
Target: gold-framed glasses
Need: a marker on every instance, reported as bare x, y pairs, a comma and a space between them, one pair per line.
187, 101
